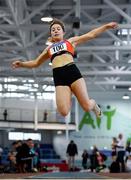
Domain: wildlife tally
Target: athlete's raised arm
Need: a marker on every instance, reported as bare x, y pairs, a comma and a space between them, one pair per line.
32, 63
93, 33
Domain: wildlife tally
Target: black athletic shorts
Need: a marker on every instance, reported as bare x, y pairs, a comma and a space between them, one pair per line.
66, 75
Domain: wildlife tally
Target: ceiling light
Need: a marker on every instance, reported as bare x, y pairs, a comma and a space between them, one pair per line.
47, 19
59, 132
126, 97
129, 88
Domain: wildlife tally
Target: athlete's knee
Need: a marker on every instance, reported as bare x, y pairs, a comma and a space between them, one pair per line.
63, 111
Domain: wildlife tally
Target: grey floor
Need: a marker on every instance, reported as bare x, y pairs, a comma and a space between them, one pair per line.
68, 175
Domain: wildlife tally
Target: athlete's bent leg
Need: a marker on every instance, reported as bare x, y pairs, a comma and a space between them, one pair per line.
79, 89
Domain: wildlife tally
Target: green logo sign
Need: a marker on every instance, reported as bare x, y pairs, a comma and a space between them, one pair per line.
89, 121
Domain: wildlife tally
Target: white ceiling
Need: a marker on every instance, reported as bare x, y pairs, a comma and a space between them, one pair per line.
105, 62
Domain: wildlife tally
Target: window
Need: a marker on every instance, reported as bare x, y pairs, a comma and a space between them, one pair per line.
24, 136
15, 136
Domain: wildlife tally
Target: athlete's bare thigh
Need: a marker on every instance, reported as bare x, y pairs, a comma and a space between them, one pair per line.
80, 91
63, 99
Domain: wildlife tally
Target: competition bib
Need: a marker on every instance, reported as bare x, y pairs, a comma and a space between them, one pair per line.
58, 47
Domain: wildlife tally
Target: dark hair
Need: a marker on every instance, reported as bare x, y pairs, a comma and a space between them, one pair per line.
57, 21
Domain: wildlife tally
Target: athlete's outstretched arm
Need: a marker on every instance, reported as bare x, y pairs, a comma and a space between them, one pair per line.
93, 33
32, 63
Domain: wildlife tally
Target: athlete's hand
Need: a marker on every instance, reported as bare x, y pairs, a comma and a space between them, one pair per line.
112, 25
16, 64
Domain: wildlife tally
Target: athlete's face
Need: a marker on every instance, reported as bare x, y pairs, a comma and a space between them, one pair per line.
57, 32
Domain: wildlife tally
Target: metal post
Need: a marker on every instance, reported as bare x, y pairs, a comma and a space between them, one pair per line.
67, 120
36, 114
76, 115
